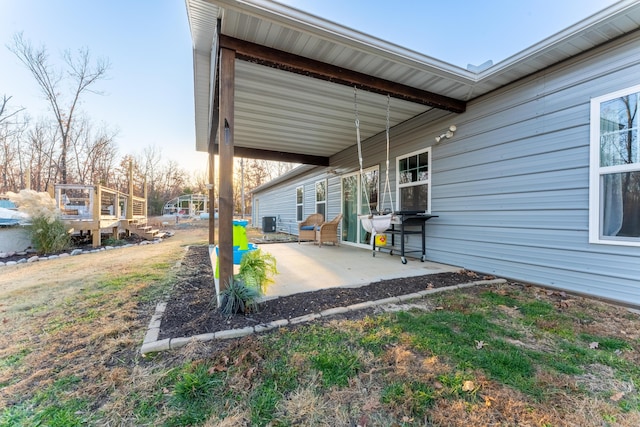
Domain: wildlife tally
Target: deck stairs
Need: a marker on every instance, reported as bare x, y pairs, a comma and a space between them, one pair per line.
141, 228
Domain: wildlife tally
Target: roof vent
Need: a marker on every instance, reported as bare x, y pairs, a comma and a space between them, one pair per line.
479, 68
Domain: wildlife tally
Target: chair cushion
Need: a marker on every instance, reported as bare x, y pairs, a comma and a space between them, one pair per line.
308, 227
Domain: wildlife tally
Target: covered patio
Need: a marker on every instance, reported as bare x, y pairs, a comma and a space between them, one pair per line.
291, 98
273, 82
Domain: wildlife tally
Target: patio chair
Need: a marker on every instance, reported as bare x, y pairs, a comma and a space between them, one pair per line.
307, 228
328, 231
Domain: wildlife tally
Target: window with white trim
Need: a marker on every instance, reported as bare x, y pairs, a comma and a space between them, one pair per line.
614, 185
299, 203
321, 197
413, 178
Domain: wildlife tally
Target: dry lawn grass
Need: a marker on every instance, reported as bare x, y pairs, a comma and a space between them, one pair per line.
75, 318
591, 399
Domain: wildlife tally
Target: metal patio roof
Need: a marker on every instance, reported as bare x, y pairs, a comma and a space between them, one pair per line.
286, 112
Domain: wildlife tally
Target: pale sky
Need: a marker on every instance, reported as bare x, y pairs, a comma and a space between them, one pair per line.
149, 93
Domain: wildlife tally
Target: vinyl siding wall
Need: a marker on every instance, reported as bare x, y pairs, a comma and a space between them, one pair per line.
280, 200
511, 188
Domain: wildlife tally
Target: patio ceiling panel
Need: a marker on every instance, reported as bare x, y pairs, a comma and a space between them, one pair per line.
276, 108
290, 30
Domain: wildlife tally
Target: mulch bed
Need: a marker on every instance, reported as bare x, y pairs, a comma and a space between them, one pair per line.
191, 308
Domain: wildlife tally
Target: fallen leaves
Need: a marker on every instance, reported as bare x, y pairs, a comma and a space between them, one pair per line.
561, 294
468, 386
616, 397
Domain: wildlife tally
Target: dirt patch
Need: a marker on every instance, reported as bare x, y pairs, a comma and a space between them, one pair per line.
191, 309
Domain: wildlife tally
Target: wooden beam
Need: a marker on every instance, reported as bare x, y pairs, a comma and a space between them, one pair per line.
278, 156
212, 148
225, 138
286, 61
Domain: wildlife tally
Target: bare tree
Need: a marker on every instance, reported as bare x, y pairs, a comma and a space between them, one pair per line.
150, 165
280, 168
94, 152
254, 173
11, 128
200, 180
5, 113
39, 152
81, 76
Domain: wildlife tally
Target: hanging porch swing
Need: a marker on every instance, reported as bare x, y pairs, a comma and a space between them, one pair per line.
374, 222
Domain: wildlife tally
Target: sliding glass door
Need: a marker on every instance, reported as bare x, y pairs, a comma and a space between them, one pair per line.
359, 196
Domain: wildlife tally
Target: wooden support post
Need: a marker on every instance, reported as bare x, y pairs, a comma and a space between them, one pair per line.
212, 195
95, 229
225, 142
130, 196
145, 206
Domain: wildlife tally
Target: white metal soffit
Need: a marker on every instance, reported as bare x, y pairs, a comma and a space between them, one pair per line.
281, 111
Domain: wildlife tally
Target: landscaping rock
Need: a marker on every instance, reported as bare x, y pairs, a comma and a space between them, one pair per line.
34, 258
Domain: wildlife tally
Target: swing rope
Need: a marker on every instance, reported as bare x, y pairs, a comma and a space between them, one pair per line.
379, 223
355, 103
387, 186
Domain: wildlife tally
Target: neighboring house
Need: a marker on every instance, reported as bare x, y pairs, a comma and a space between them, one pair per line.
540, 182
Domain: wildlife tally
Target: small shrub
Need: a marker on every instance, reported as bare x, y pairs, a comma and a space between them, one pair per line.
49, 236
238, 298
47, 230
114, 242
257, 269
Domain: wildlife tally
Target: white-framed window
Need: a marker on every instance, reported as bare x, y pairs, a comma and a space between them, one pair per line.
321, 197
614, 181
413, 181
299, 203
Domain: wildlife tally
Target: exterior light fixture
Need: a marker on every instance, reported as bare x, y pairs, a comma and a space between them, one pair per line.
448, 134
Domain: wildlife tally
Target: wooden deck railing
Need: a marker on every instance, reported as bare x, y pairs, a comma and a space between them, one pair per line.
96, 202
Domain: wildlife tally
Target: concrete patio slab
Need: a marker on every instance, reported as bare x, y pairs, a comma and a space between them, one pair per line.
307, 267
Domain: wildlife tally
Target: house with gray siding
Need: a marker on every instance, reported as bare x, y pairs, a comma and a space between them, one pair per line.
539, 181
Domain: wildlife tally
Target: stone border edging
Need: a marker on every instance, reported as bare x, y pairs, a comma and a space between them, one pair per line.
151, 344
31, 258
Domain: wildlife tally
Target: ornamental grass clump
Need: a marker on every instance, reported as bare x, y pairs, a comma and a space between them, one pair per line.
238, 298
47, 231
256, 272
